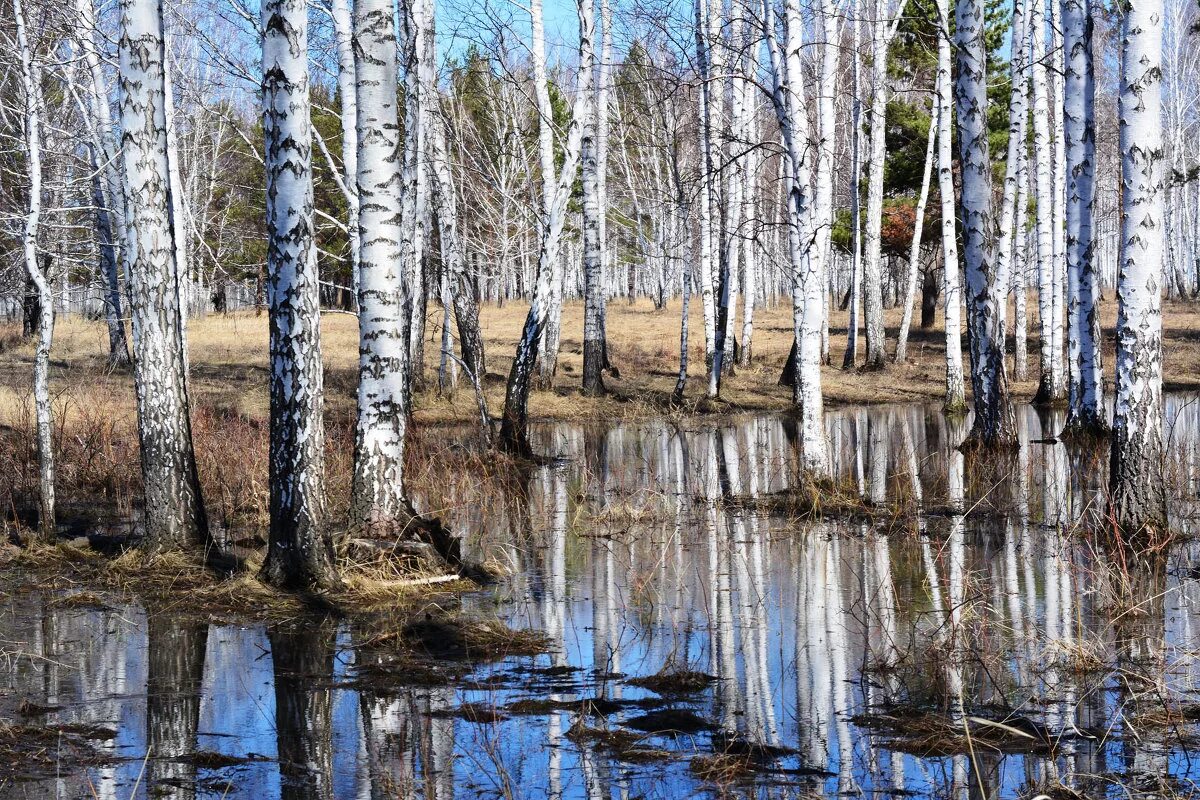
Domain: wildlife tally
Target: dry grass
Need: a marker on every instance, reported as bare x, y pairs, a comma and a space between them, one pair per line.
96, 432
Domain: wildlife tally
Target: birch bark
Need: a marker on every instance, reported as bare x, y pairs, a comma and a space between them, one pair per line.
808, 285
995, 423
514, 426
1085, 411
956, 392
31, 95
593, 213
109, 192
343, 32
1050, 384
1136, 489
378, 502
300, 548
174, 507
914, 253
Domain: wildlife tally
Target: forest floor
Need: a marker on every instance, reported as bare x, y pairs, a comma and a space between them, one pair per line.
228, 357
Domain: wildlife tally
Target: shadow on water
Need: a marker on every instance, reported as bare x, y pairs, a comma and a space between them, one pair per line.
973, 641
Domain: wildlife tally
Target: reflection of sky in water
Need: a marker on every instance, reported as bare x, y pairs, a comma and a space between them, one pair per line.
806, 627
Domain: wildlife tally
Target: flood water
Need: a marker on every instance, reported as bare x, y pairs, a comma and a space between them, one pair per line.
848, 658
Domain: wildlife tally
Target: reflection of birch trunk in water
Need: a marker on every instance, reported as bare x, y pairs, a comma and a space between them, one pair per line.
877, 485
885, 599
303, 665
910, 455
174, 672
723, 662
1139, 645
839, 706
554, 596
812, 656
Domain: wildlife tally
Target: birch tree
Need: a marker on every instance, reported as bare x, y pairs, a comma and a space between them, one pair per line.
956, 392
1136, 489
882, 31
808, 285
1050, 382
378, 502
514, 426
1086, 380
300, 548
31, 95
593, 212
995, 423
108, 191
914, 253
343, 31
1011, 222
174, 507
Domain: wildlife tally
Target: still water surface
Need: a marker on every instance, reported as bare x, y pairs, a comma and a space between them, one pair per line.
650, 547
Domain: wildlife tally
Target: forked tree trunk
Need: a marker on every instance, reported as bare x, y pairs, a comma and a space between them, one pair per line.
995, 423
174, 507
43, 413
514, 426
378, 502
300, 549
1137, 494
1086, 385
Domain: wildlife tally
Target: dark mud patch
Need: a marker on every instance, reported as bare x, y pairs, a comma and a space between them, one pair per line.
670, 722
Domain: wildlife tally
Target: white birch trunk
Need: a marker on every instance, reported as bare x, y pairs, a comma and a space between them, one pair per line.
1086, 385
850, 358
514, 426
1137, 494
31, 95
343, 32
994, 424
956, 392
300, 549
1020, 267
881, 34
708, 175
109, 196
914, 253
593, 212
1050, 384
1018, 114
378, 503
808, 285
174, 508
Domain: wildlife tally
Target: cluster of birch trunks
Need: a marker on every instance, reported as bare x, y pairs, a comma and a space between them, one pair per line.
405, 183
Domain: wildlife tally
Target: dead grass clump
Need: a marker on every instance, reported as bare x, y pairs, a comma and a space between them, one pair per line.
28, 752
722, 767
675, 682
615, 739
929, 733
1167, 716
